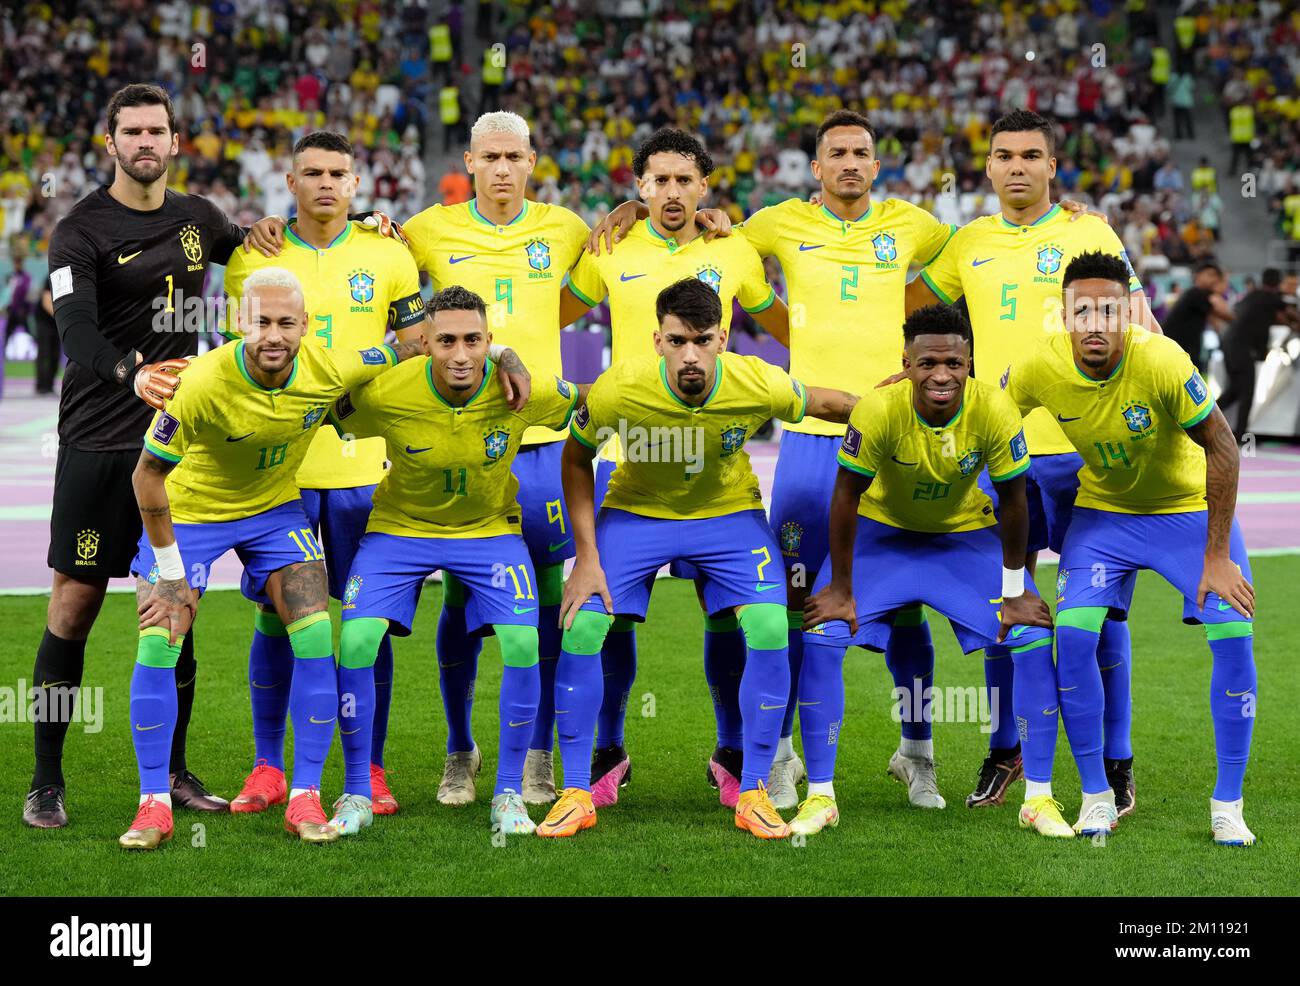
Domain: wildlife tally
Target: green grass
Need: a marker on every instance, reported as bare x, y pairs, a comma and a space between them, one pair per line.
668, 835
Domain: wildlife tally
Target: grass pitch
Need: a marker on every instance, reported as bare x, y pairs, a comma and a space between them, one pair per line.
668, 834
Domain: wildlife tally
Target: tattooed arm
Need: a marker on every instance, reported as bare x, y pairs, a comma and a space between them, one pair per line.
170, 602
1222, 465
514, 379
411, 347
830, 405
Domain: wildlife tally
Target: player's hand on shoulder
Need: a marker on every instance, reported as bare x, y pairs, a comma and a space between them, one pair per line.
586, 580
170, 604
157, 383
614, 227
1079, 209
515, 380
714, 222
267, 235
891, 380
388, 227
832, 602
1224, 578
1027, 610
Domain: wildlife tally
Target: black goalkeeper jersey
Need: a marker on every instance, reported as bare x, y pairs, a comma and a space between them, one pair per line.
143, 274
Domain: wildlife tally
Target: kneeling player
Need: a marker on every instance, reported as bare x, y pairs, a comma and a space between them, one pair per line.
908, 465
1155, 450
220, 463
684, 493
447, 503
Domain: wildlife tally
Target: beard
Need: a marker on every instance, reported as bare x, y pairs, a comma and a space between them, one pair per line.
145, 172
691, 385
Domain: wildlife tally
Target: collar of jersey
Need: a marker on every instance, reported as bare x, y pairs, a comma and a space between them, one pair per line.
1037, 222
473, 211
667, 241
297, 240
947, 424
243, 371
840, 221
488, 370
717, 382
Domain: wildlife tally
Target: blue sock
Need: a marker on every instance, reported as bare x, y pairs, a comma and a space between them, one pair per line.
383, 700
909, 655
457, 671
153, 708
821, 692
313, 697
548, 651
794, 648
520, 689
724, 663
764, 687
1036, 710
1082, 701
578, 691
1114, 659
270, 670
999, 674
356, 726
1232, 705
618, 667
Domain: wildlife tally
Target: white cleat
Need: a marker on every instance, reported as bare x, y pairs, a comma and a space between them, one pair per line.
509, 815
1228, 825
458, 773
918, 775
539, 777
782, 782
1097, 814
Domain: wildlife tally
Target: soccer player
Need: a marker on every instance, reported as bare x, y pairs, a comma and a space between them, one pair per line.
1157, 490
127, 266
1008, 267
672, 170
685, 491
357, 285
225, 453
448, 503
909, 464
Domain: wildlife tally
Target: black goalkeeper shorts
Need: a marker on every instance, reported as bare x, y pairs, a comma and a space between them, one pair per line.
95, 523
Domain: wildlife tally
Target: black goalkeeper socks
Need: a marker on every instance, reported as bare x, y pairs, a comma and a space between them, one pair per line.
57, 673
186, 671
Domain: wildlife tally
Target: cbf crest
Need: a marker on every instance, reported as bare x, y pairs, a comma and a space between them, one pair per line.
352, 590
712, 277
495, 443
312, 416
733, 438
1049, 259
886, 247
539, 254
362, 286
1061, 579
1137, 417
192, 244
969, 461
791, 537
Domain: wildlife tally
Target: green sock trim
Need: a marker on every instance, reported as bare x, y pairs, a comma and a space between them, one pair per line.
153, 651
312, 636
550, 585
587, 633
453, 591
359, 641
794, 619
1045, 642
518, 645
766, 626
306, 621
721, 624
912, 616
1088, 618
621, 624
1225, 631
268, 624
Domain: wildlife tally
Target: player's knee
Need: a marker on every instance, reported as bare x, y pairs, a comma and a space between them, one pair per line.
268, 623
311, 636
154, 651
1234, 628
622, 624
359, 641
518, 645
74, 605
721, 624
910, 616
587, 633
766, 626
550, 585
1089, 618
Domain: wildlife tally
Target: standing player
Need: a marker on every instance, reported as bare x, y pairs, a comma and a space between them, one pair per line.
685, 491
225, 453
1157, 490
672, 170
127, 265
1008, 267
357, 285
448, 503
909, 464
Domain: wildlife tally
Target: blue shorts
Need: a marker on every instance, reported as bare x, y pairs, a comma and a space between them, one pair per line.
545, 519
388, 573
1050, 488
679, 569
957, 575
801, 497
265, 543
734, 556
340, 516
1105, 550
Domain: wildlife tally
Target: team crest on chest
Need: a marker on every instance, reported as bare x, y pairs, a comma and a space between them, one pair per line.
312, 416
192, 244
495, 443
712, 277
733, 438
539, 254
1049, 259
1137, 417
886, 247
791, 537
969, 461
362, 286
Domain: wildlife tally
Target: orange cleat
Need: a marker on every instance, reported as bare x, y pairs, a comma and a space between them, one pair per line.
306, 819
756, 815
151, 828
262, 788
570, 815
381, 798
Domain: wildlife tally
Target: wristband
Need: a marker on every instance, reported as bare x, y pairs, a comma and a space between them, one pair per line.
1013, 582
170, 566
124, 371
496, 351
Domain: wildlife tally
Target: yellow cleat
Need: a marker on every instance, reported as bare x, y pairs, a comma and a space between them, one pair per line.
1043, 815
570, 815
816, 812
756, 814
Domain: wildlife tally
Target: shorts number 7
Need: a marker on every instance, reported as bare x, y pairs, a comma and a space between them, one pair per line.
767, 560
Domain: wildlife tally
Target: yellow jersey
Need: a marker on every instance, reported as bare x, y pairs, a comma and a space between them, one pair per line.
517, 269
356, 289
681, 461
450, 475
1130, 428
1011, 278
845, 283
925, 477
238, 444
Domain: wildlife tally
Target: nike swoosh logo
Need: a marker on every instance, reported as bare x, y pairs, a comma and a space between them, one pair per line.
769, 708
560, 821
1109, 667
256, 685
417, 451
320, 722
764, 587
231, 438
1224, 606
121, 259
54, 684
526, 609
524, 723
902, 463
1070, 689
145, 729
1232, 694
1017, 631
627, 277
804, 247
561, 712
1048, 712
802, 704
456, 260
349, 732
1065, 420
977, 263
557, 547
453, 664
